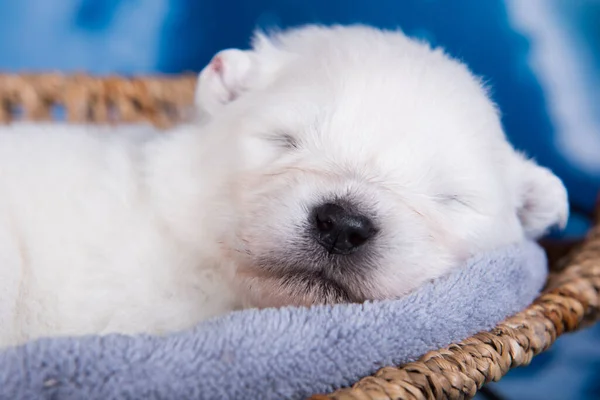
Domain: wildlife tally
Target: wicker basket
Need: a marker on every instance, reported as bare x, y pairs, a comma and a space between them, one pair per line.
570, 301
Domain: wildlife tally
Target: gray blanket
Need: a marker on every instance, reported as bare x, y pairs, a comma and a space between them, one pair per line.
288, 353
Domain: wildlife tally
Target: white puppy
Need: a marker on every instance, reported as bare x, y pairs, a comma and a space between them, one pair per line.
333, 164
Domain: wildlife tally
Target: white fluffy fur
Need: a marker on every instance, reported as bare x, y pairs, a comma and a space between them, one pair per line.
130, 230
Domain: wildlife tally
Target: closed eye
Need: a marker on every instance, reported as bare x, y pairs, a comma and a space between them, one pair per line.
454, 199
283, 140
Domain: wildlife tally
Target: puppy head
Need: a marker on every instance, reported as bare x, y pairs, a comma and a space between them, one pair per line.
368, 164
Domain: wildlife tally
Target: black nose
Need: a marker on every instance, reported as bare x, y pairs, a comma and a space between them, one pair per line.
340, 231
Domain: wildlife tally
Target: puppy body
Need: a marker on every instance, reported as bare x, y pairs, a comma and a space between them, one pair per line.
331, 164
105, 231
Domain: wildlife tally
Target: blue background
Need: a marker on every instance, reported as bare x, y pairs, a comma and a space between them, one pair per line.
541, 57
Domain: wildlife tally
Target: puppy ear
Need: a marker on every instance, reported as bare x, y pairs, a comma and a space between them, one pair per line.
542, 201
223, 80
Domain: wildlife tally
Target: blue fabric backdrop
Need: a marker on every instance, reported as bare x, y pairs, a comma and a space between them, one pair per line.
542, 58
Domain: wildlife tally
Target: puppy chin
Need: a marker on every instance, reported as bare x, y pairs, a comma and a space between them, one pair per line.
269, 293
260, 289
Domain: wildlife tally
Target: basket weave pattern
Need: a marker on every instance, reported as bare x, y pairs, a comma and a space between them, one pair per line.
570, 301
158, 100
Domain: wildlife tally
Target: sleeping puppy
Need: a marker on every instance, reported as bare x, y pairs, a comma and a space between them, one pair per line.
329, 165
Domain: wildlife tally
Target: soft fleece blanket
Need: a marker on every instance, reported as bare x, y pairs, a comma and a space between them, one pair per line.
288, 353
